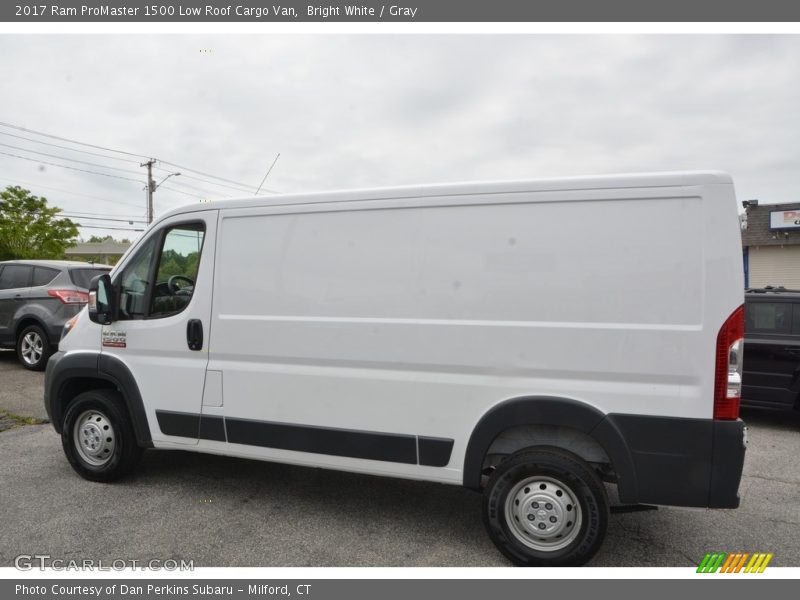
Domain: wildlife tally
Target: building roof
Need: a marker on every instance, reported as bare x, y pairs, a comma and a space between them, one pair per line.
97, 248
758, 232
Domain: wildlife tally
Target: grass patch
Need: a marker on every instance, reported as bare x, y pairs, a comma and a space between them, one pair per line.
9, 420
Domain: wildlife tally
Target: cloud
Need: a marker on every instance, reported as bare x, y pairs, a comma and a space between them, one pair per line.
379, 110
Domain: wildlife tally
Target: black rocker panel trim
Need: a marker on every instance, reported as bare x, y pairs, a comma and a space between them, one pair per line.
191, 425
387, 447
178, 424
212, 427
434, 452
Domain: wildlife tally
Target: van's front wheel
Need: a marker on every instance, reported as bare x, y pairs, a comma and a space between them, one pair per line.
546, 507
97, 436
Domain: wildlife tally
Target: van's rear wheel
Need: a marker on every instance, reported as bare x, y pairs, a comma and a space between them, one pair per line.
545, 506
97, 436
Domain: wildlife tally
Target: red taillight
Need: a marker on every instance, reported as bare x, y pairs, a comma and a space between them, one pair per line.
727, 378
69, 296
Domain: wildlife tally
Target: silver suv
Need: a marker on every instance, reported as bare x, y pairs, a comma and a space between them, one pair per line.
36, 298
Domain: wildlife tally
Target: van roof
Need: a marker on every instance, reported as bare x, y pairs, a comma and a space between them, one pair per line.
636, 180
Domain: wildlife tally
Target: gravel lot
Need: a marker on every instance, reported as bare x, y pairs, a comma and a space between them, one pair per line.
222, 511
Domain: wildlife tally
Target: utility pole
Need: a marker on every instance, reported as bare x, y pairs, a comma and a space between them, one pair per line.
151, 187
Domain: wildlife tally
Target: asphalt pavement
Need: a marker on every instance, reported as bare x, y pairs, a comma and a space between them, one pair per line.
220, 511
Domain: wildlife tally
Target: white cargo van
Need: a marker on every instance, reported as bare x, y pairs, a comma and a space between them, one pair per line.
532, 340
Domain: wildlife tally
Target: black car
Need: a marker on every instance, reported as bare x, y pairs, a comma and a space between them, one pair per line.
771, 376
36, 298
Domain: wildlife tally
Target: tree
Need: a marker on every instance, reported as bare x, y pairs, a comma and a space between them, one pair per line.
107, 238
29, 228
96, 239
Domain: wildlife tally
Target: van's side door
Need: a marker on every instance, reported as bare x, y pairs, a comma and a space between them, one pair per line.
161, 334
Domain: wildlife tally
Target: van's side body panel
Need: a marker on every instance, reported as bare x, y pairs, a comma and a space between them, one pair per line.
376, 331
415, 316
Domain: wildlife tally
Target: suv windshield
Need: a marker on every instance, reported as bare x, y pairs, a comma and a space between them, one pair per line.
82, 277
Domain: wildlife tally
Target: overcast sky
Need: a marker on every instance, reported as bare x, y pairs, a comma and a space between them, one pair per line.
348, 111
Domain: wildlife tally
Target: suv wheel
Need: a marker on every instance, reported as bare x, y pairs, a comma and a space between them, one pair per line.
546, 507
98, 438
33, 349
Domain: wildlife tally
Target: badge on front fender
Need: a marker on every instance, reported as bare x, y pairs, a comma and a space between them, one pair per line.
115, 339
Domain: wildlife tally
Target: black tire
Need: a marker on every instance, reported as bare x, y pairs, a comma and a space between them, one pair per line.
33, 348
99, 421
571, 490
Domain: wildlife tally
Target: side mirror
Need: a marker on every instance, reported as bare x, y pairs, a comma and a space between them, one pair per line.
101, 300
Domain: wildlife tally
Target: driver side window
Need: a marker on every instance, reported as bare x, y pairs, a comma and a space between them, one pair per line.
133, 287
148, 291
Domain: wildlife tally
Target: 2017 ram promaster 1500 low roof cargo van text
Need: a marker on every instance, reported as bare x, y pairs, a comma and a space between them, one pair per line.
532, 340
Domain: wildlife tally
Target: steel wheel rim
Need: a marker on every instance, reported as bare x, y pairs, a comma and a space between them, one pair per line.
32, 348
543, 513
93, 437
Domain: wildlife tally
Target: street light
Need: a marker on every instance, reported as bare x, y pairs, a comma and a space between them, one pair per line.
156, 186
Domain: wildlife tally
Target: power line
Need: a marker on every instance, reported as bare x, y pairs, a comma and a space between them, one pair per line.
78, 224
75, 219
207, 181
102, 227
42, 162
63, 139
27, 139
230, 187
82, 195
197, 189
149, 163
166, 187
71, 216
142, 156
246, 185
83, 162
79, 213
